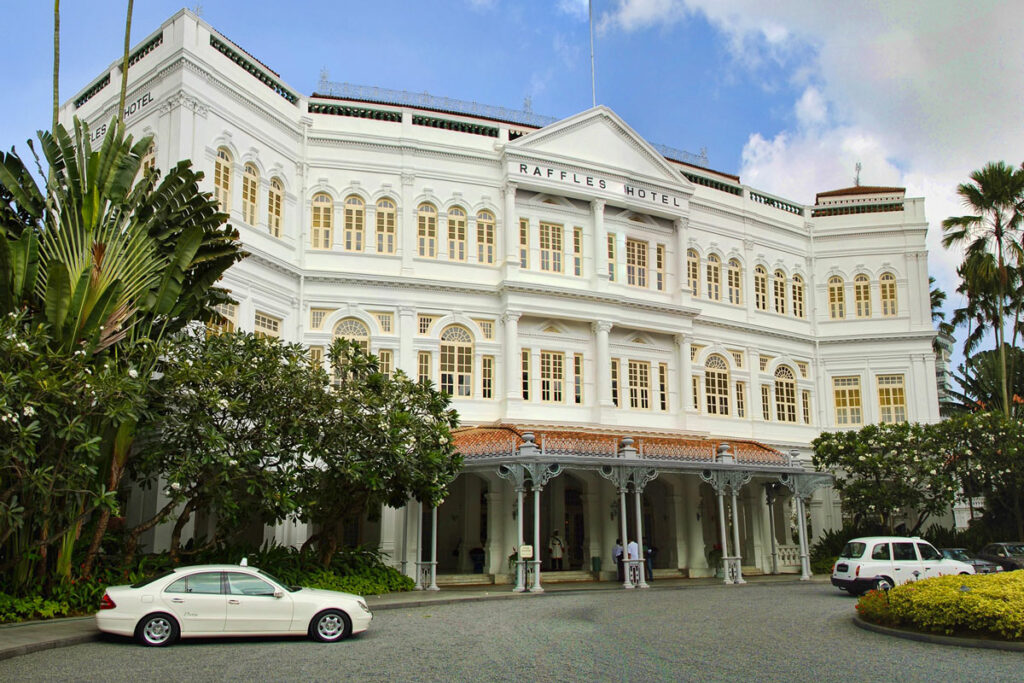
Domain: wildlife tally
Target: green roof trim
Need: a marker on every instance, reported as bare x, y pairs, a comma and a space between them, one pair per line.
91, 92
458, 126
355, 112
261, 75
713, 184
145, 50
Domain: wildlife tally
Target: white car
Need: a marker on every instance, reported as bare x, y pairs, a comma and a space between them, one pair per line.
881, 562
227, 600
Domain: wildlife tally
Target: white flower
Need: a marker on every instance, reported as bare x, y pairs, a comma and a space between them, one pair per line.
862, 458
222, 404
934, 472
132, 373
175, 486
29, 411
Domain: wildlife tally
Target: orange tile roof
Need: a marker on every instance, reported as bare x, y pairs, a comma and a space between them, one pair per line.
860, 189
479, 442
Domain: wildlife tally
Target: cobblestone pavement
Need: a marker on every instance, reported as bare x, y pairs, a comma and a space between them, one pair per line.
764, 632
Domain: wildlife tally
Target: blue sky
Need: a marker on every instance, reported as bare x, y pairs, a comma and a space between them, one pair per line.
789, 94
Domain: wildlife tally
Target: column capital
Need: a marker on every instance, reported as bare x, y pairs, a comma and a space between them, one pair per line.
406, 310
601, 326
681, 223
511, 316
408, 178
597, 204
509, 187
680, 339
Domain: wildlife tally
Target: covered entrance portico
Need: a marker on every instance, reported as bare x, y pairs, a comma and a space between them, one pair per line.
694, 508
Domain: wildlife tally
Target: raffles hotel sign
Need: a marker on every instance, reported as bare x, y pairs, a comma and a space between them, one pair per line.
637, 195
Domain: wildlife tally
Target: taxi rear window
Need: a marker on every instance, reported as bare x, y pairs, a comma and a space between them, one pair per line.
853, 549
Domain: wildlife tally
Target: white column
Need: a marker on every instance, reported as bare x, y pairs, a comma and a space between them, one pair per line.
679, 262
406, 334
603, 366
696, 558
405, 536
754, 363
510, 352
535, 588
685, 373
736, 539
805, 564
625, 539
600, 244
642, 583
724, 536
510, 228
406, 223
433, 549
520, 565
771, 531
419, 546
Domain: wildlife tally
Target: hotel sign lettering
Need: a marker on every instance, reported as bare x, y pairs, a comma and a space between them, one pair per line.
585, 180
130, 109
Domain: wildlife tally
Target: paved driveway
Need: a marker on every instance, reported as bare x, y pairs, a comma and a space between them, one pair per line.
778, 632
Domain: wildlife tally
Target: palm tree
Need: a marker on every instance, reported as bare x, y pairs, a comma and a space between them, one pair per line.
56, 59
991, 236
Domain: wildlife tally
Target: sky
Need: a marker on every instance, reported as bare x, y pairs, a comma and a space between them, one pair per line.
789, 95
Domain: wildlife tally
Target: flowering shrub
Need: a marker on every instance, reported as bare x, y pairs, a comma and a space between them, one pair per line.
988, 605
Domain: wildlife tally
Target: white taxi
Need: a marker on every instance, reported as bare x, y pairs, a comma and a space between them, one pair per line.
881, 562
227, 600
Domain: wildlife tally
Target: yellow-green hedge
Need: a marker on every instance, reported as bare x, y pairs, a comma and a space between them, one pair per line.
988, 605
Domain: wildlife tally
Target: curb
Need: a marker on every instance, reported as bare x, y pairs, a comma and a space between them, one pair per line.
29, 648
939, 639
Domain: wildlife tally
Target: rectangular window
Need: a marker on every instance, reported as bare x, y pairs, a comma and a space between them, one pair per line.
611, 257
552, 376
524, 243
693, 272
695, 392
639, 385
551, 247
456, 236
425, 321
353, 225
426, 231
316, 356
659, 267
266, 325
386, 321
484, 241
486, 328
423, 366
385, 227
316, 317
663, 386
766, 402
636, 263
577, 375
615, 382
803, 368
846, 394
230, 313
737, 358
763, 362
695, 350
805, 402
385, 361
487, 377
892, 400
577, 252
741, 399
798, 298
525, 365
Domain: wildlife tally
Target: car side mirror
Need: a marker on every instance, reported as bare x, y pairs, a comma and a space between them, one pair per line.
279, 593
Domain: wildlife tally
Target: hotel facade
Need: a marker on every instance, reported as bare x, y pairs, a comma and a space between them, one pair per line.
638, 346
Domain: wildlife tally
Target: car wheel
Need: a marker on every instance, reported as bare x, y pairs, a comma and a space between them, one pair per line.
883, 584
157, 630
330, 626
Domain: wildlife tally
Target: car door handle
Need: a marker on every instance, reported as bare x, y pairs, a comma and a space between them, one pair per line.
177, 600
896, 569
233, 602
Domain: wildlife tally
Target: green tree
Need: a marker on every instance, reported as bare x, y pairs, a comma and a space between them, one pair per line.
991, 235
388, 440
979, 383
887, 469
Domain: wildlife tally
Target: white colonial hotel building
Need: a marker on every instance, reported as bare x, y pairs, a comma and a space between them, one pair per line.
626, 312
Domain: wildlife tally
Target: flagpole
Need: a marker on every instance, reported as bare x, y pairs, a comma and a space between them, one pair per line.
593, 84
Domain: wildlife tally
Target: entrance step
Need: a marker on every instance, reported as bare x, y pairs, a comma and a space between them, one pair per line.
752, 571
671, 573
566, 576
465, 580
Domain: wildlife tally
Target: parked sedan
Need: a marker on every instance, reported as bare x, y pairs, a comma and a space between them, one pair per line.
227, 600
1009, 556
980, 566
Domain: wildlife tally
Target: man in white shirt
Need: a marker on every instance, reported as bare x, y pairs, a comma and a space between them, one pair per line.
617, 558
633, 550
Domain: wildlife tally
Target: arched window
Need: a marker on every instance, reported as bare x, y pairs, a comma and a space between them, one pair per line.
693, 271
457, 362
888, 287
714, 277
779, 291
426, 230
456, 234
761, 288
735, 282
355, 331
222, 179
275, 199
250, 193
322, 221
386, 231
798, 296
485, 237
355, 216
836, 298
785, 394
716, 385
862, 296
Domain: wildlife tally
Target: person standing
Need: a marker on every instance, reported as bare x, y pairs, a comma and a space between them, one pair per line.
633, 553
556, 549
617, 559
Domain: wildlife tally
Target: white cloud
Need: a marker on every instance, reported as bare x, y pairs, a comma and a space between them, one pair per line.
576, 8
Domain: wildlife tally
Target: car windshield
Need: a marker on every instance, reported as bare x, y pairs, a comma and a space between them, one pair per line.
853, 549
279, 582
151, 579
956, 554
1015, 548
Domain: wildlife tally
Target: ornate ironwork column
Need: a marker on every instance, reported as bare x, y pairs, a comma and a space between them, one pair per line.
623, 476
517, 475
540, 474
723, 482
769, 493
803, 487
433, 550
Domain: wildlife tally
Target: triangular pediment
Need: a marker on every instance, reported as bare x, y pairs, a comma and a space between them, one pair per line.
599, 139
